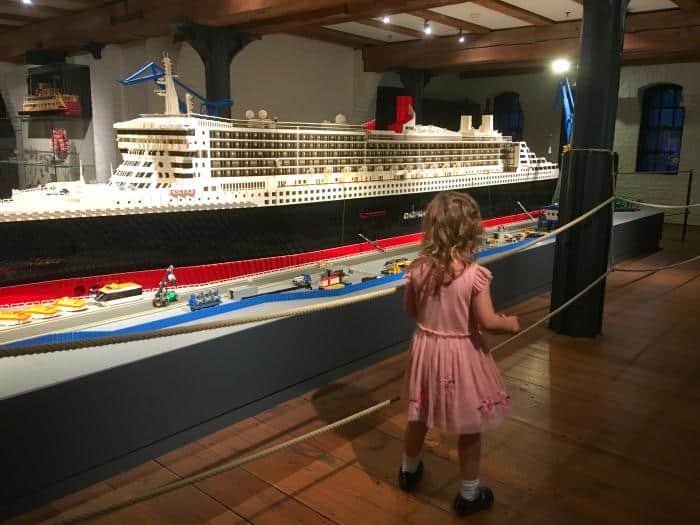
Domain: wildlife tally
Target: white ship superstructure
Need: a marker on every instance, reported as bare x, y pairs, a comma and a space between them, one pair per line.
177, 162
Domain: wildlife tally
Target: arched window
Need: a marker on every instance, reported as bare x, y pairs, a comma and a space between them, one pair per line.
508, 115
661, 129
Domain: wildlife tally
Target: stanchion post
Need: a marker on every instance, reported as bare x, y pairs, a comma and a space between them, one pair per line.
687, 202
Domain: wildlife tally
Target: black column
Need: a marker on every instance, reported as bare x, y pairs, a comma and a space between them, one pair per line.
581, 253
216, 46
415, 80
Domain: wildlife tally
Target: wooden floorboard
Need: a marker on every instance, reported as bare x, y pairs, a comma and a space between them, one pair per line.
602, 431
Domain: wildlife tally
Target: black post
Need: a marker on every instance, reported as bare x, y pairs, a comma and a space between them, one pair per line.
415, 80
581, 253
216, 46
687, 202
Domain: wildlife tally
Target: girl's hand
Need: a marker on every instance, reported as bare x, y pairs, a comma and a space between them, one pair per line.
514, 323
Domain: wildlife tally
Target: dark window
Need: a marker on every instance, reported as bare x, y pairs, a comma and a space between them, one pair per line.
508, 115
661, 129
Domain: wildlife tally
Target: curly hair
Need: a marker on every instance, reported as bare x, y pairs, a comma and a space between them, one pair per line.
451, 232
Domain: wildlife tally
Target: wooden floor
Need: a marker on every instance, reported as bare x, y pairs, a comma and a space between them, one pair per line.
602, 431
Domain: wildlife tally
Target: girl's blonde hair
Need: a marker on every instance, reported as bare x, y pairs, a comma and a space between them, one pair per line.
451, 231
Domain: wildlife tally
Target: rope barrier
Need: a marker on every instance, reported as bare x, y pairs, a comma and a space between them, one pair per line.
552, 313
659, 268
224, 467
660, 206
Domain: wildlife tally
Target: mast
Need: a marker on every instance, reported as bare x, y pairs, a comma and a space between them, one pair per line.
171, 103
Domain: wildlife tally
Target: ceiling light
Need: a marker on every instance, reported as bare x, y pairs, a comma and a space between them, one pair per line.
385, 19
561, 65
461, 37
27, 2
426, 28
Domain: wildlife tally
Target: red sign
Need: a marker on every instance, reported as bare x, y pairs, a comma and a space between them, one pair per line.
368, 214
184, 192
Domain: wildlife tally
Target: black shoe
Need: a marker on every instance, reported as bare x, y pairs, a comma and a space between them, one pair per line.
483, 501
408, 480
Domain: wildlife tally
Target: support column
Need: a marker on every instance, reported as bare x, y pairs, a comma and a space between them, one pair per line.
216, 46
581, 253
415, 80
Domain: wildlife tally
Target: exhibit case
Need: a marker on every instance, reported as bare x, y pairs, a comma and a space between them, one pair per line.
46, 127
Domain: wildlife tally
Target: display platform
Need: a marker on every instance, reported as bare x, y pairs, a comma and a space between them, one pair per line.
69, 419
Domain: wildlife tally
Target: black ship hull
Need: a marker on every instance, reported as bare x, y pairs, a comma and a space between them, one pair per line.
50, 249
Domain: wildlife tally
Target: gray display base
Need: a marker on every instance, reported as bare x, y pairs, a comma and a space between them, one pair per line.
64, 437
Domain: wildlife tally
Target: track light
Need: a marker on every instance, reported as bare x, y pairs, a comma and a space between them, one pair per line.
561, 65
426, 28
461, 37
385, 19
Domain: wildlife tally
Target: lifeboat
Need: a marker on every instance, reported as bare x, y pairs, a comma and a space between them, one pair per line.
70, 304
42, 311
14, 317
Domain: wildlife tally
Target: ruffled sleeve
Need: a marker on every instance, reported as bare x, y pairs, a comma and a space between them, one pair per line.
482, 278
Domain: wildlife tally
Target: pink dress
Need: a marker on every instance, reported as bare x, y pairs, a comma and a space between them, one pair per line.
452, 382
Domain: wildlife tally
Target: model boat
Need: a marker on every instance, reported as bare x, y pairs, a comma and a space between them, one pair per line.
195, 189
48, 100
13, 317
42, 311
70, 304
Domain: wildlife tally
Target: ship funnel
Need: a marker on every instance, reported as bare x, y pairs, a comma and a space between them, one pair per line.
465, 123
486, 124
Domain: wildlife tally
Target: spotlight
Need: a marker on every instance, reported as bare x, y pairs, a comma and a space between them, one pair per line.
426, 28
385, 19
561, 65
461, 37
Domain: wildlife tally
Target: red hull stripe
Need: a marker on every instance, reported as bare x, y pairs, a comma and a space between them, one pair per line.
207, 273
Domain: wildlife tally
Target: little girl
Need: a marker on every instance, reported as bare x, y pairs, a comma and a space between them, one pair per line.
452, 382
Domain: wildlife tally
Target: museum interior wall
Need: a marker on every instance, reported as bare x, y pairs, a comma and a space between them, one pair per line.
296, 78
543, 119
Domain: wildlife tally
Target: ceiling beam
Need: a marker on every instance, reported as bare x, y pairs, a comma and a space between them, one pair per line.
514, 11
30, 11
450, 21
157, 15
674, 30
11, 21
391, 27
337, 37
66, 5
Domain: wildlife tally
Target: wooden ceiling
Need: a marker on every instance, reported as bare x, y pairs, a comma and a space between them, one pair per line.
499, 35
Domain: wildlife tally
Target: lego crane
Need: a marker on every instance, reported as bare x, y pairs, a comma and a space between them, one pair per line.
154, 72
566, 97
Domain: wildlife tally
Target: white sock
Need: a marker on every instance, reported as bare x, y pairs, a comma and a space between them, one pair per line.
469, 489
409, 464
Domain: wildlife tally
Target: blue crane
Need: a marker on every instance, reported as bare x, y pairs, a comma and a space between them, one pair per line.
153, 71
566, 97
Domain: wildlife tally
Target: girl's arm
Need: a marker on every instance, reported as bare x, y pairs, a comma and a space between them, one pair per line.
409, 298
482, 306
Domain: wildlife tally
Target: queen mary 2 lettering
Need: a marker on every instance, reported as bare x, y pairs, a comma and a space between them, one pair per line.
196, 189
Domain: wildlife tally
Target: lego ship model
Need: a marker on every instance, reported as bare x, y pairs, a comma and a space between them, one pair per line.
195, 189
48, 100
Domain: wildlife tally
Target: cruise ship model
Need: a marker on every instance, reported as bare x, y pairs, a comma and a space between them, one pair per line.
48, 100
194, 189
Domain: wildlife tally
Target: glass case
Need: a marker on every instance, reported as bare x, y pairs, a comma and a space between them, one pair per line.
46, 127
